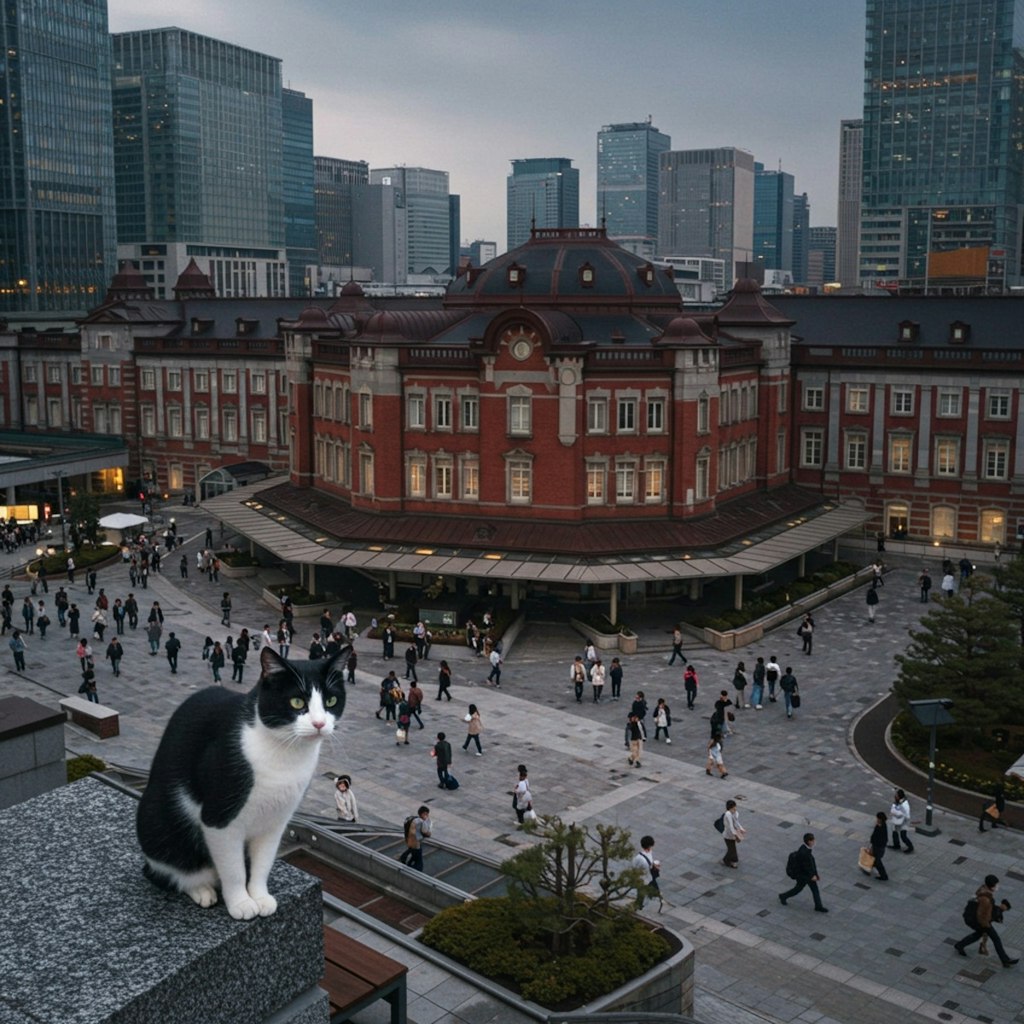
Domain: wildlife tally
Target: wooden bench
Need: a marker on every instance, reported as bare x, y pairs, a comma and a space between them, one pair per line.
356, 976
96, 718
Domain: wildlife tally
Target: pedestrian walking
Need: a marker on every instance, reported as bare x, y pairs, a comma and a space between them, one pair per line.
99, 624
131, 610
733, 833
993, 811
720, 716
597, 677
284, 638
789, 690
71, 569
208, 541
662, 721
73, 618
715, 759
924, 581
772, 675
217, 660
410, 662
28, 613
42, 620
474, 726
495, 674
60, 602
690, 685
878, 843
615, 675
417, 829
153, 633
225, 609
636, 736
650, 870
17, 645
156, 613
118, 614
803, 869
345, 800
90, 581
739, 682
948, 585
983, 916
899, 820
172, 647
414, 699
677, 646
390, 692
350, 664
522, 798
388, 641
88, 686
115, 652
578, 676
350, 624
238, 655
757, 690
183, 567
806, 631
872, 602
444, 681
441, 752
317, 650
878, 579
84, 653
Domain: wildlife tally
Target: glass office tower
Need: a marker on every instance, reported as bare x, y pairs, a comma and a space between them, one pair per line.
57, 228
424, 194
544, 191
773, 219
943, 139
334, 181
627, 183
299, 205
199, 160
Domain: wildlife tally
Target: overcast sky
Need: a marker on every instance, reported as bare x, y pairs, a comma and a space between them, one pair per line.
467, 87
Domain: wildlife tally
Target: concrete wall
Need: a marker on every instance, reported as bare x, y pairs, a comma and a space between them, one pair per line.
31, 750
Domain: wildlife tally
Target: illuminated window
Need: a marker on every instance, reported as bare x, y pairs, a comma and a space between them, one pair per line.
442, 477
943, 522
203, 424
471, 480
595, 483
992, 526
899, 454
625, 483
520, 481
417, 476
947, 456
996, 459
654, 482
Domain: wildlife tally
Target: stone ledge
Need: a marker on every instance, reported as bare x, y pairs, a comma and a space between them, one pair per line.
114, 948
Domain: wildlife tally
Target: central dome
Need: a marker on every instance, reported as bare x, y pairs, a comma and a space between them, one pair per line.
567, 267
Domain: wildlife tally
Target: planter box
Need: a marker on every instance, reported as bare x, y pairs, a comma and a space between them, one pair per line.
300, 611
602, 641
628, 644
752, 632
238, 572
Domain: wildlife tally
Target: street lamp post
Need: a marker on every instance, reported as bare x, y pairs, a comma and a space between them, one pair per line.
59, 474
933, 712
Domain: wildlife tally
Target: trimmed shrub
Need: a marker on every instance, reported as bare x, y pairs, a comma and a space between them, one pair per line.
80, 767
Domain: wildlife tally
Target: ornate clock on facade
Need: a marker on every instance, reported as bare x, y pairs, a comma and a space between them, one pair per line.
520, 341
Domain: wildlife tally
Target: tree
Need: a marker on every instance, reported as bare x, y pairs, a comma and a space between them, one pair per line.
967, 649
1010, 583
85, 516
568, 880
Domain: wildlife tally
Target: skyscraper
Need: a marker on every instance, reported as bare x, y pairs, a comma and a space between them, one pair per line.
851, 159
299, 203
821, 257
544, 191
801, 236
943, 138
627, 183
773, 219
199, 163
380, 232
57, 227
424, 194
334, 182
706, 205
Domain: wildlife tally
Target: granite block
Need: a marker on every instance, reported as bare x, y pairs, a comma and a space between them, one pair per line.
17, 754
49, 744
16, 789
114, 948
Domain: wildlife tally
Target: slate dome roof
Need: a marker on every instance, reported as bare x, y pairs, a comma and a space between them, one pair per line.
552, 267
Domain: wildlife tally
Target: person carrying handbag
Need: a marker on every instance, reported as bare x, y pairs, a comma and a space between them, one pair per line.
522, 798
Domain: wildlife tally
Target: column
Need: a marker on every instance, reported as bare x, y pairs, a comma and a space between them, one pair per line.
737, 601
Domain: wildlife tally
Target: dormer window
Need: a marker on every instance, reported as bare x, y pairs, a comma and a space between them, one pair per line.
909, 330
646, 274
587, 275
959, 332
515, 275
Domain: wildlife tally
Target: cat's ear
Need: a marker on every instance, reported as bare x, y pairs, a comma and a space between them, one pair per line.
272, 663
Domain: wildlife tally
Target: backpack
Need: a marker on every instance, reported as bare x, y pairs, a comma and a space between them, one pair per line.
720, 825
793, 865
970, 914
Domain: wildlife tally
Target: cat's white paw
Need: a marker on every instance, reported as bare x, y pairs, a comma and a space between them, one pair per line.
244, 909
266, 903
204, 895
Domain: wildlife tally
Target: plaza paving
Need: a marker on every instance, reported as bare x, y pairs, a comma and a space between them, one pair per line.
885, 949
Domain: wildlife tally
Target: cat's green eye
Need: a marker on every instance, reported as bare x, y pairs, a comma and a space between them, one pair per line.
298, 703
330, 702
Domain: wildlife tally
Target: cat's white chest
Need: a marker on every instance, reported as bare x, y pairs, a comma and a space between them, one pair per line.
281, 773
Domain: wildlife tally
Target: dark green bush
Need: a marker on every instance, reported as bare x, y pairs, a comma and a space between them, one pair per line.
238, 559
80, 767
502, 940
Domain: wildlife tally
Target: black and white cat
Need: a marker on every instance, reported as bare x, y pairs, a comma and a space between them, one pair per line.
228, 774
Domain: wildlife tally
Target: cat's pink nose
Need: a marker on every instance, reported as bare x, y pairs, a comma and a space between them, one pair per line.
319, 723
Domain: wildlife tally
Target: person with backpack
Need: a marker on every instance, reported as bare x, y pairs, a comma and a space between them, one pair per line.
978, 915
757, 690
417, 829
732, 833
690, 685
17, 645
802, 868
645, 863
789, 689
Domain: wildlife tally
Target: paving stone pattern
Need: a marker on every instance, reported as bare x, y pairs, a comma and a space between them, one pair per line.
884, 950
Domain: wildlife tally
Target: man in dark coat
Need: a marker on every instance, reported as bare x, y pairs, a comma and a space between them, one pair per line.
806, 871
442, 759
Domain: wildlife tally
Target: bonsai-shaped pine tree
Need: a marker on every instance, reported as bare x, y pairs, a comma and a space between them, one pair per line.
567, 881
1010, 583
968, 650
